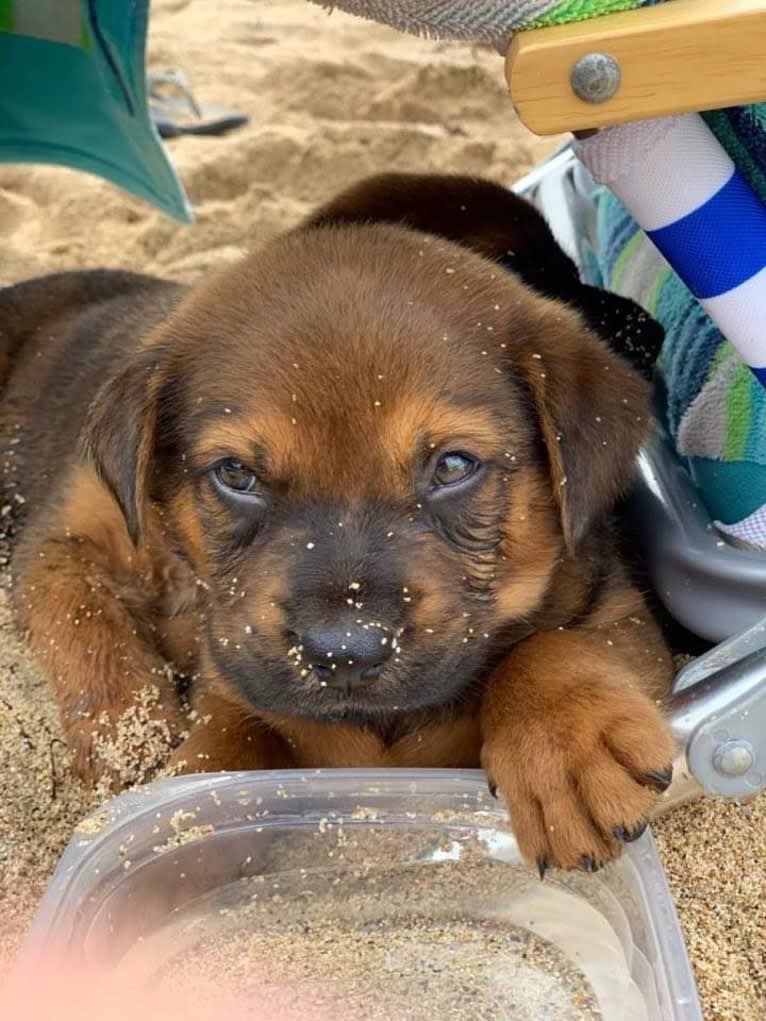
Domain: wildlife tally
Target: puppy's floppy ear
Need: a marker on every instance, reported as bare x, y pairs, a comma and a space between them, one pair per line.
120, 434
593, 411
627, 328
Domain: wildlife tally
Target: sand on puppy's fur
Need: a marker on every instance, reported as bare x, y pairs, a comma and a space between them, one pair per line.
331, 99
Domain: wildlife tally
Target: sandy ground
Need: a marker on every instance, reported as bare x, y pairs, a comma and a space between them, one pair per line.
331, 99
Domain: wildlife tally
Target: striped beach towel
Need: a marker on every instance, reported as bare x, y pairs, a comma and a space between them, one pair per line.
487, 21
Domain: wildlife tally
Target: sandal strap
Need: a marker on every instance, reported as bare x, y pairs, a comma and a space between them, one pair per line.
176, 80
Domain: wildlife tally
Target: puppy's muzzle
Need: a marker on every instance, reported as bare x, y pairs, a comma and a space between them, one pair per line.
347, 658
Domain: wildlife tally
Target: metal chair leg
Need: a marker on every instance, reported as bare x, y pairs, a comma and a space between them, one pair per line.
718, 714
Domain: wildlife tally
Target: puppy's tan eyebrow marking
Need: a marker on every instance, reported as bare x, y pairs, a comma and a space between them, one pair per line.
441, 423
268, 438
226, 439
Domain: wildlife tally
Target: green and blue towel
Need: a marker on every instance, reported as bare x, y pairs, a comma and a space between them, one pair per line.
487, 21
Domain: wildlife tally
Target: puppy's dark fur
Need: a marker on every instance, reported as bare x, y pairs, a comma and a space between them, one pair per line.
494, 222
338, 366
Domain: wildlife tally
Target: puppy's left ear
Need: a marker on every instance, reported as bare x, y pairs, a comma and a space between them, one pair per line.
626, 327
593, 411
120, 435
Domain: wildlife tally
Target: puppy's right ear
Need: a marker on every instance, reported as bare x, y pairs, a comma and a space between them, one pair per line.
593, 411
120, 433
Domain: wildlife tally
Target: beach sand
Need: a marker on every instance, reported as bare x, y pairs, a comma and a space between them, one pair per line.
330, 99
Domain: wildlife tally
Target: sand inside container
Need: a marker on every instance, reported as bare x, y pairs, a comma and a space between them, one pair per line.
382, 921
405, 943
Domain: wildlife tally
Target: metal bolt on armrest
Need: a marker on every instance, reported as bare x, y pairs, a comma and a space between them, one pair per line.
719, 724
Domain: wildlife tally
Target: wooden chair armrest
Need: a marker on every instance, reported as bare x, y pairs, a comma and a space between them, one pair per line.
681, 56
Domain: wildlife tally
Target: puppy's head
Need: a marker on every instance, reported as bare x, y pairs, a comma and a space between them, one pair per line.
374, 446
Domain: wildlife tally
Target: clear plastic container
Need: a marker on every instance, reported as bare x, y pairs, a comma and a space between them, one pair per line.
159, 868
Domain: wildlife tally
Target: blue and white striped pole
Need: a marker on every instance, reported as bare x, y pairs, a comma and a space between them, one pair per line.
683, 189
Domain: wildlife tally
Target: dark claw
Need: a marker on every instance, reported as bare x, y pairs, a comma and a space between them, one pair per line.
637, 831
626, 836
542, 867
492, 788
659, 779
589, 864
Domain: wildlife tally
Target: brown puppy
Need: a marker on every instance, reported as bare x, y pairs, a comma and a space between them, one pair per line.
359, 489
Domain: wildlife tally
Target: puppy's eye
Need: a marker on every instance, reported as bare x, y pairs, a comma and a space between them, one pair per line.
453, 468
235, 476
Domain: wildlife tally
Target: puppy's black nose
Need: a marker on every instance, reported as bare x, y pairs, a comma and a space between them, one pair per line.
347, 658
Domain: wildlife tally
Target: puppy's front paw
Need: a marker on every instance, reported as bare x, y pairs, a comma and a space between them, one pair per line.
580, 775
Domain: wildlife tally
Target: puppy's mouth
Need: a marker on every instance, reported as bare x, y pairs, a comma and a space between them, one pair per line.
420, 678
342, 685
350, 664
334, 693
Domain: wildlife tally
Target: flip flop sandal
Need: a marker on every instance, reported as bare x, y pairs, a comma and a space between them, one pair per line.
175, 111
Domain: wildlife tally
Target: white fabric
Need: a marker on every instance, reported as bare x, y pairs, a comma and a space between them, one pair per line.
750, 531
661, 169
740, 314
